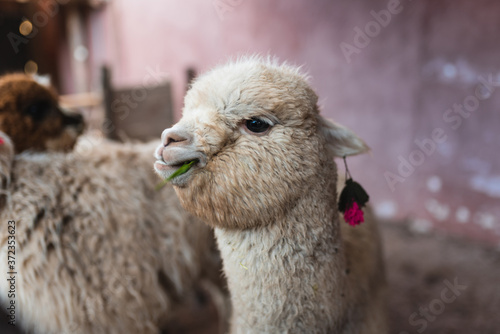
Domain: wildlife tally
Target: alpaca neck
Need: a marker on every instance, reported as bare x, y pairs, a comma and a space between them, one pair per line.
290, 274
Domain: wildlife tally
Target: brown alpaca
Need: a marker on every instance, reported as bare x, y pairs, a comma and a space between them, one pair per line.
265, 179
30, 115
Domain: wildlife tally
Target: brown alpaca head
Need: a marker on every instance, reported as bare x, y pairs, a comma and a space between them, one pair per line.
30, 115
254, 130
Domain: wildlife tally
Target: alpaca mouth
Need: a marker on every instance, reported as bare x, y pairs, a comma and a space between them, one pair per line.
176, 164
176, 172
172, 167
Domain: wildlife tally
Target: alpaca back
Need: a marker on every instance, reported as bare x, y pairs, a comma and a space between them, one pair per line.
99, 250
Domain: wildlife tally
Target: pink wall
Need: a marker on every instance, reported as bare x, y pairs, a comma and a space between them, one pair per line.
394, 89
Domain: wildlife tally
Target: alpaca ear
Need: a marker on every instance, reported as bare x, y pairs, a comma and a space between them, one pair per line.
341, 140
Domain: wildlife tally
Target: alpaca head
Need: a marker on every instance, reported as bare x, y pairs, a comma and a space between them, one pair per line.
254, 131
30, 115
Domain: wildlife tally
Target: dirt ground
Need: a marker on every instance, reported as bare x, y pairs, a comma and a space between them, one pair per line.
437, 285
421, 269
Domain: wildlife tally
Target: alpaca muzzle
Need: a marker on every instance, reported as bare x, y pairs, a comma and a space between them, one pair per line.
74, 120
176, 150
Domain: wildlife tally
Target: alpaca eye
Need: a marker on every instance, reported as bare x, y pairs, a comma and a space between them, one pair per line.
256, 125
38, 111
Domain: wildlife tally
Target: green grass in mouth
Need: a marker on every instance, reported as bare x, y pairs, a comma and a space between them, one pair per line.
183, 169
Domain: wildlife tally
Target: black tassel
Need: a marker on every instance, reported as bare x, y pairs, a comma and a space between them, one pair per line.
352, 192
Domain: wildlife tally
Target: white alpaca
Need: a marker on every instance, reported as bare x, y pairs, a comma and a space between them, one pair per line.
266, 180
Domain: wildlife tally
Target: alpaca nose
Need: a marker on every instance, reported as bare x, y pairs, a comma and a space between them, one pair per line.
175, 136
74, 119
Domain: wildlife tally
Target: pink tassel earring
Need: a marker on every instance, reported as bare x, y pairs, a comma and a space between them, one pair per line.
352, 199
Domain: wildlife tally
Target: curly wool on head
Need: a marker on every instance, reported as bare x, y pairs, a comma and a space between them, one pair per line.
276, 168
265, 178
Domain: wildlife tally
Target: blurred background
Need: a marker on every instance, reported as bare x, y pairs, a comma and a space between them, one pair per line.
418, 80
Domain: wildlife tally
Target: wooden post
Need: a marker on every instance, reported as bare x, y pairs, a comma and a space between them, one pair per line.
108, 126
